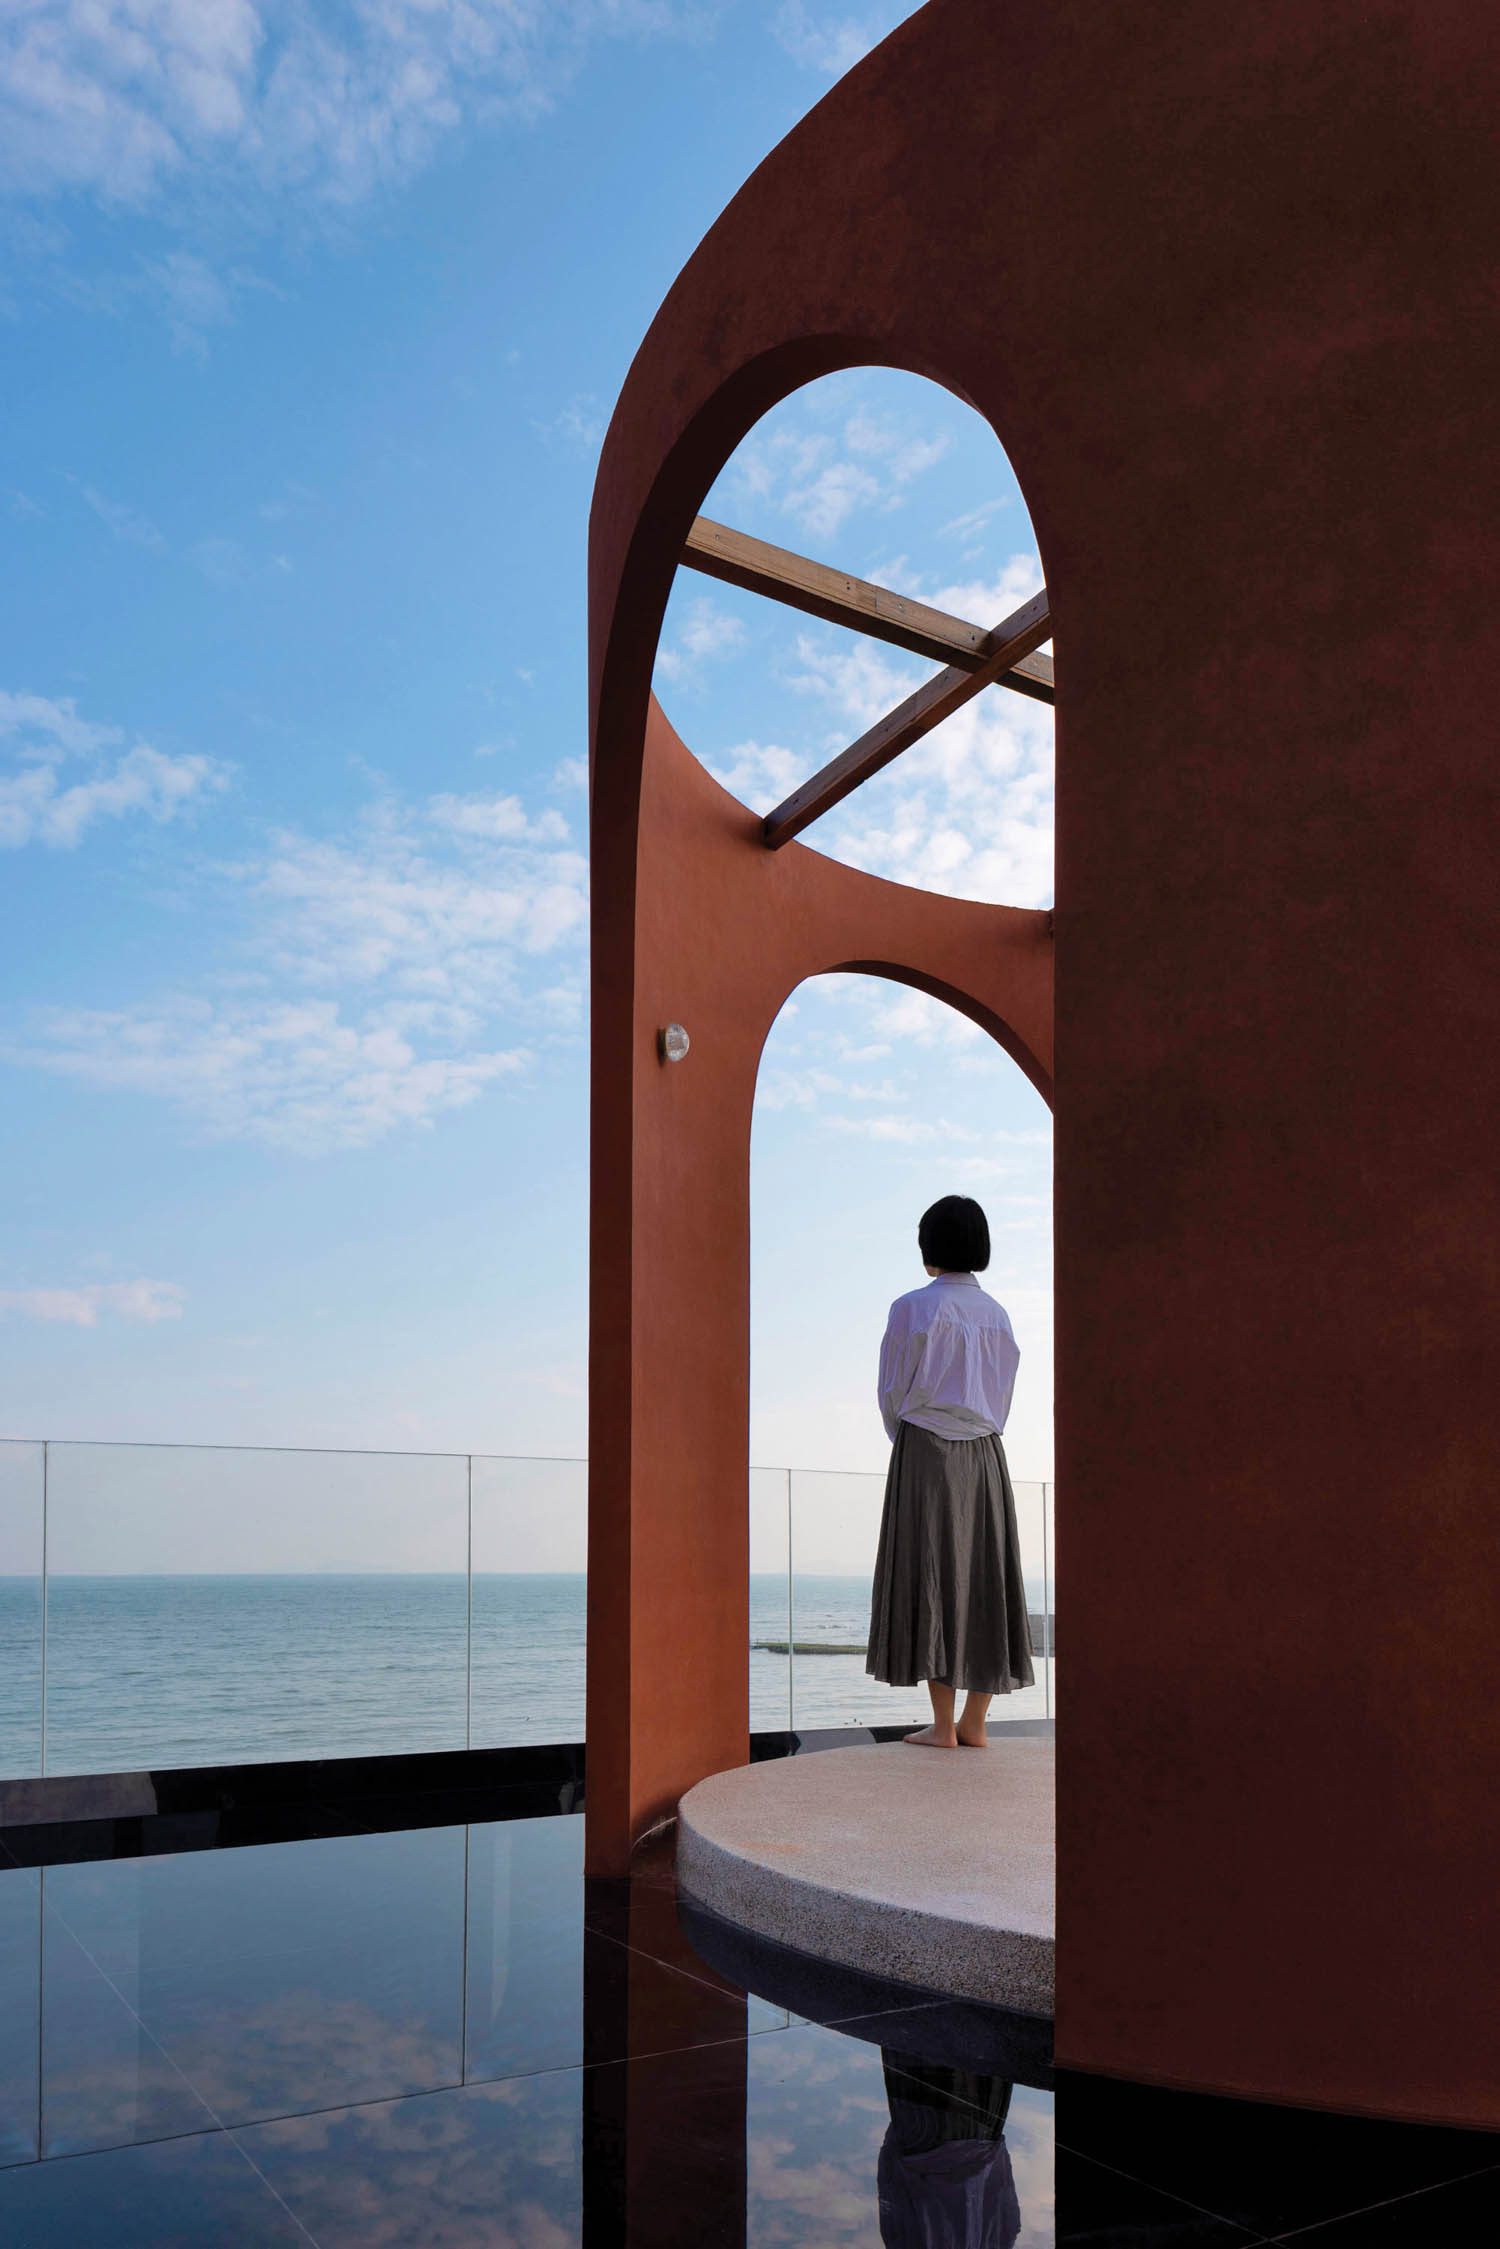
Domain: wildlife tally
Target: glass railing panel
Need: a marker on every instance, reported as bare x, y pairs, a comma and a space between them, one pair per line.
227, 1606
835, 1526
770, 1601
20, 2014
22, 1538
1051, 1563
1032, 1701
530, 1612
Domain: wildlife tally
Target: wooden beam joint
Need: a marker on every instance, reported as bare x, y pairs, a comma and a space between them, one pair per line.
1011, 642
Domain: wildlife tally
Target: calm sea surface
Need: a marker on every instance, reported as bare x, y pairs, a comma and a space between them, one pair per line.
217, 1670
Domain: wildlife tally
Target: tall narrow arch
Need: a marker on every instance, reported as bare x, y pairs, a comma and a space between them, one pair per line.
873, 1099
696, 923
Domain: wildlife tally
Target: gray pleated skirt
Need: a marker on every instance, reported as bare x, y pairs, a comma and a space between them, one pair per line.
949, 1602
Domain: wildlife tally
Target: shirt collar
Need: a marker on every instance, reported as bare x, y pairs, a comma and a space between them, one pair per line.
956, 1280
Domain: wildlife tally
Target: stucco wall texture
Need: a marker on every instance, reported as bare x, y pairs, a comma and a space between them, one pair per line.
1224, 283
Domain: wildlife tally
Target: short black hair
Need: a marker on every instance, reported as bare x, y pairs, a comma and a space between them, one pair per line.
955, 1235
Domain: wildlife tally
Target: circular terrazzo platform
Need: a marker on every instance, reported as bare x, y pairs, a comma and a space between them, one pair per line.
931, 1867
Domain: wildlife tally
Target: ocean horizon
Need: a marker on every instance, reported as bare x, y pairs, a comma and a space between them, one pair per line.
184, 1668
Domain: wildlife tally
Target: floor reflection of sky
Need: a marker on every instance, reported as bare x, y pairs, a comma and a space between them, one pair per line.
439, 2037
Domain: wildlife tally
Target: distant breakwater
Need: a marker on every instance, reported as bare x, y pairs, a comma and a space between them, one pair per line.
1043, 1635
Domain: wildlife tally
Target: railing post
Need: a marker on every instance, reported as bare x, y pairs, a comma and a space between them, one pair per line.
1046, 1603
469, 1616
42, 1742
791, 1618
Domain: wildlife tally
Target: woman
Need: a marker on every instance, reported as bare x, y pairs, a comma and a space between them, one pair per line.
949, 1605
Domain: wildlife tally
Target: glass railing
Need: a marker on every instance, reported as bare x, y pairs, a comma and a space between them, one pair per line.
170, 1605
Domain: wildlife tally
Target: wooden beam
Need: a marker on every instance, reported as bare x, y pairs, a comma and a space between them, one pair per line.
819, 591
945, 693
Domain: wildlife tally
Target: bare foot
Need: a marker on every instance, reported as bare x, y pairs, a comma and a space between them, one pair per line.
973, 1741
935, 1737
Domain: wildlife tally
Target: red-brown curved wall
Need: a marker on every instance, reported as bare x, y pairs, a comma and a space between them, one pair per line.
1223, 281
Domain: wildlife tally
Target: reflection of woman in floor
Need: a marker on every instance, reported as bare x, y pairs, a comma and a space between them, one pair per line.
945, 2178
949, 1604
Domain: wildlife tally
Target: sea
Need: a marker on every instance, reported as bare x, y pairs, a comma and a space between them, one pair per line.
169, 1671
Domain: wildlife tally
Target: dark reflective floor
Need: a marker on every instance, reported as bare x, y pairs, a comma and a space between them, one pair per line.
443, 2036
428, 2029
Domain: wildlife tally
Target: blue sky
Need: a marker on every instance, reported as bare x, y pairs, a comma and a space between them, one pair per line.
312, 321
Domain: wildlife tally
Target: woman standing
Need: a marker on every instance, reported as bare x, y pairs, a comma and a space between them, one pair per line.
949, 1604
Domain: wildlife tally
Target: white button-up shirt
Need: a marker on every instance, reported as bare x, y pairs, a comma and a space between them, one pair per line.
949, 1359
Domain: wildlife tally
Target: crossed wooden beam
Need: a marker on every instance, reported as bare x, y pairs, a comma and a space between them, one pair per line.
975, 659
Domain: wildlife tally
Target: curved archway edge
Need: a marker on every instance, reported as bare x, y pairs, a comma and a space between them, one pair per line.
1245, 383
717, 934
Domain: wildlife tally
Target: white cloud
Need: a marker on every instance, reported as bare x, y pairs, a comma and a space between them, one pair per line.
987, 600
906, 1131
382, 905
829, 43
498, 819
807, 1089
62, 781
703, 632
147, 1301
126, 98
902, 452
289, 1075
55, 727
820, 477
969, 527
374, 974
823, 502
579, 426
761, 774
860, 680
909, 1017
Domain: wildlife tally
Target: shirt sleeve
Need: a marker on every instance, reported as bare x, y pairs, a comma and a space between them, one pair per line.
896, 1366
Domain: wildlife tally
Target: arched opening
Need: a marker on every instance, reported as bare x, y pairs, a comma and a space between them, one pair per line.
708, 913
872, 1100
902, 489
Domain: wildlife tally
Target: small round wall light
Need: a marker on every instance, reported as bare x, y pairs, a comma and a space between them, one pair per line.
672, 1042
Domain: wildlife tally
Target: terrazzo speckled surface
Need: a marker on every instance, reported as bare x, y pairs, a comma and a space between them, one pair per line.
933, 1867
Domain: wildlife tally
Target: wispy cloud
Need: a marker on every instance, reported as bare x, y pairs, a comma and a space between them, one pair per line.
969, 528
808, 1088
123, 99
578, 425
497, 819
83, 1307
907, 1131
384, 978
131, 526
64, 776
704, 632
831, 41
305, 1078
224, 561
819, 477
761, 774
